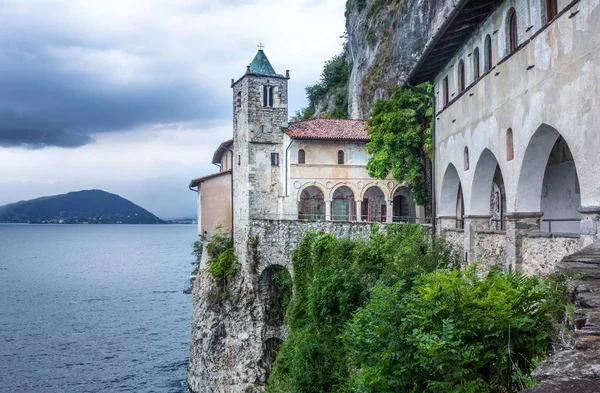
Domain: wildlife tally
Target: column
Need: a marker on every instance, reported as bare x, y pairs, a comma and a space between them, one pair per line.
389, 211
518, 223
590, 224
328, 210
473, 224
358, 210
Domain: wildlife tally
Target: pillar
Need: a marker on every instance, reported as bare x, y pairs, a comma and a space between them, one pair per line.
518, 223
358, 210
389, 211
328, 209
473, 224
446, 222
590, 224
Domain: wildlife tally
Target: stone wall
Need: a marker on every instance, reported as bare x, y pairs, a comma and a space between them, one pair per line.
455, 237
541, 252
489, 248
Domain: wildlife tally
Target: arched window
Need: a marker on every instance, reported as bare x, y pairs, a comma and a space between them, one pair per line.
476, 73
466, 158
341, 157
301, 156
461, 76
239, 99
551, 10
268, 96
513, 32
510, 151
488, 53
446, 89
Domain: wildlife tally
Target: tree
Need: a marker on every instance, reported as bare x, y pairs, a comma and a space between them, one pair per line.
400, 140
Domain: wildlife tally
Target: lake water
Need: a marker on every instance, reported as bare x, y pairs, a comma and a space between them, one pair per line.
94, 308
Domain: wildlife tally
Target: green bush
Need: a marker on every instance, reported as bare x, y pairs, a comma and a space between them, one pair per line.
455, 331
222, 258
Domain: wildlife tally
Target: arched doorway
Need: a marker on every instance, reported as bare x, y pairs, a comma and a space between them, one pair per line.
344, 208
269, 353
488, 195
275, 285
404, 206
549, 183
312, 204
374, 207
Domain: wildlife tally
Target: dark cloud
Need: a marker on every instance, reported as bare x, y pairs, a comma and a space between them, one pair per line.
44, 102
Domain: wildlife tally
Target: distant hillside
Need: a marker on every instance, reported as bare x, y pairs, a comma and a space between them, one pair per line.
89, 206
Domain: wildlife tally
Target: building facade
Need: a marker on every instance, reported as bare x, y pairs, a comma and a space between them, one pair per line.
517, 142
307, 170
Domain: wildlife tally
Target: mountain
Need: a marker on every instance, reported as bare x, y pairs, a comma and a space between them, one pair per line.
88, 206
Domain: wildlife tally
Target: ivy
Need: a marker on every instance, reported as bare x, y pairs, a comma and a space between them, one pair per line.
400, 140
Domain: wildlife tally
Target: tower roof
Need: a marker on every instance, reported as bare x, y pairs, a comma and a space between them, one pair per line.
261, 66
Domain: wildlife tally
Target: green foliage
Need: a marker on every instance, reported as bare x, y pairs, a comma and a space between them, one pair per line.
400, 140
222, 259
332, 278
197, 253
455, 331
333, 83
397, 314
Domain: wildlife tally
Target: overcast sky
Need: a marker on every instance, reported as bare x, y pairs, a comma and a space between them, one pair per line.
133, 96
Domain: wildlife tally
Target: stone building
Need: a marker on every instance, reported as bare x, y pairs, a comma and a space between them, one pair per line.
517, 174
307, 170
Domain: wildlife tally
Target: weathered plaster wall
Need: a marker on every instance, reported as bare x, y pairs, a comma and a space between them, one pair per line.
550, 87
560, 197
214, 206
541, 252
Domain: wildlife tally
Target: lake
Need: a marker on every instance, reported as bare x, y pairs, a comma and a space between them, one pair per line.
94, 308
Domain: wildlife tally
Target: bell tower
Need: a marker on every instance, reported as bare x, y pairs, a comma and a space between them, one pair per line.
260, 114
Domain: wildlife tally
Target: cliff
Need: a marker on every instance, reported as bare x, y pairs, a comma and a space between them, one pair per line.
385, 39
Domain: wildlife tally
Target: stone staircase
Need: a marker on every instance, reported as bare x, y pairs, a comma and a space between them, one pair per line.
577, 370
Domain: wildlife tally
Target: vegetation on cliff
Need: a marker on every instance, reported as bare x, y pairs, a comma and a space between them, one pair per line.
400, 140
330, 93
397, 314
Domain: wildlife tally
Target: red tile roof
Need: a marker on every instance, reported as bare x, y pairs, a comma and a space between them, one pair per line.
329, 129
196, 182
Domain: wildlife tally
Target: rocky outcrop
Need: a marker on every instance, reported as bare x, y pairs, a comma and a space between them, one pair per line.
577, 369
385, 39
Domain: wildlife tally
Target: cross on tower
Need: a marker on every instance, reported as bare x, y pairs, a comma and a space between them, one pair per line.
260, 46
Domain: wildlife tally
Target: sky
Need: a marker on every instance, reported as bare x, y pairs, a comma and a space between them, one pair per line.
133, 96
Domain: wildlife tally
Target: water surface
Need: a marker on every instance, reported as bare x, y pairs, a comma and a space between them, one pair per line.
94, 308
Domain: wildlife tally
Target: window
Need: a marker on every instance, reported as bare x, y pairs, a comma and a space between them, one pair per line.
551, 10
461, 76
301, 157
268, 96
476, 74
510, 151
274, 159
466, 158
488, 53
340, 157
513, 38
239, 99
446, 91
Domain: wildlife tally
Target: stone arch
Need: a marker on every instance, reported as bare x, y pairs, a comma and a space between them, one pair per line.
549, 180
374, 203
343, 203
449, 193
304, 186
270, 348
311, 203
404, 209
275, 285
371, 185
487, 173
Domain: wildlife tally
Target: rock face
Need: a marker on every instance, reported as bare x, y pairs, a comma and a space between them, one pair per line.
385, 39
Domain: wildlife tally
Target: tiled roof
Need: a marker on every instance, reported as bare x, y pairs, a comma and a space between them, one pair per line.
329, 129
196, 182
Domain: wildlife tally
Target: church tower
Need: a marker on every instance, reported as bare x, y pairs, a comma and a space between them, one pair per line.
260, 113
